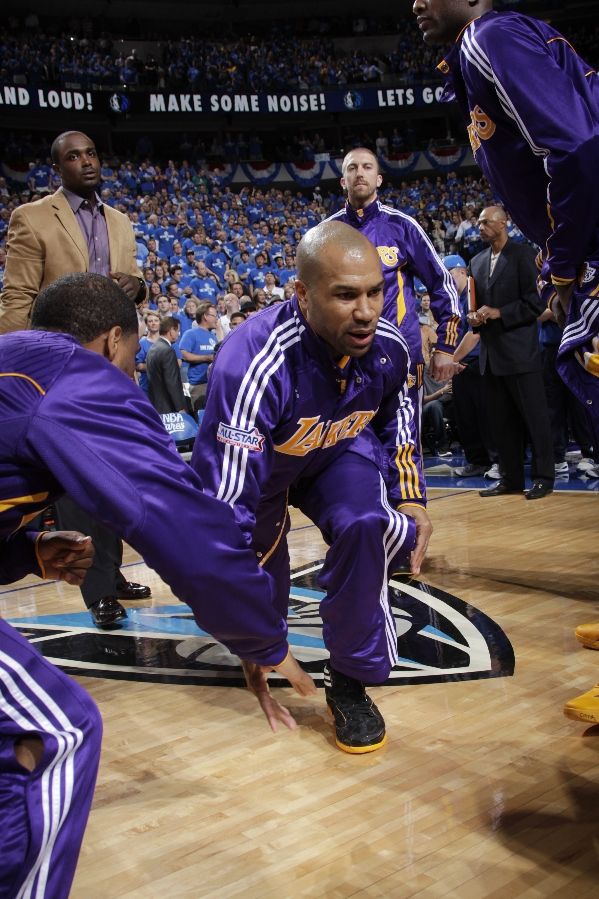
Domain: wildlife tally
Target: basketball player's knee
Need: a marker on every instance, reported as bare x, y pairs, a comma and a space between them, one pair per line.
29, 751
367, 523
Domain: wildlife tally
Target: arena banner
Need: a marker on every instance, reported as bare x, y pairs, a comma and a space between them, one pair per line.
304, 174
308, 174
215, 103
261, 173
446, 157
400, 163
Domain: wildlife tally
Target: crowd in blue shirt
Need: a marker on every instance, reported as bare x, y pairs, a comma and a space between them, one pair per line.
200, 236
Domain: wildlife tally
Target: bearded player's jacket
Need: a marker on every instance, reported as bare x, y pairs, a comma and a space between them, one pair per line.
406, 252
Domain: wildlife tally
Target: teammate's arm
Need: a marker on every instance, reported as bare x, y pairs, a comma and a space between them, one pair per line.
425, 261
17, 556
117, 461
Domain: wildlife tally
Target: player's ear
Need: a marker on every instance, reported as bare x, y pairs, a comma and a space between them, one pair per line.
379, 179
343, 184
302, 292
113, 340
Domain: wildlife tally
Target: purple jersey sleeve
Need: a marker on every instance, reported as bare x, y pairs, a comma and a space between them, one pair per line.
557, 115
17, 556
234, 452
395, 427
116, 460
426, 264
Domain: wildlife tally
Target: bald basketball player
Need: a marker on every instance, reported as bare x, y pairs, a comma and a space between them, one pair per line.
308, 404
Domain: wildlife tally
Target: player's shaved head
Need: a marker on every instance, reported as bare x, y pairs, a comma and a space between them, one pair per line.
320, 246
339, 287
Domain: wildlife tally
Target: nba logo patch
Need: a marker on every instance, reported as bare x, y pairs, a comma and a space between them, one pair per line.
588, 274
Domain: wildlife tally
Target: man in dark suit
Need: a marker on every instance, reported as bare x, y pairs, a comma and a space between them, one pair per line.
165, 388
508, 305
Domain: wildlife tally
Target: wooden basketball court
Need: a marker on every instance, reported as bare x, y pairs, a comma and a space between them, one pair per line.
483, 790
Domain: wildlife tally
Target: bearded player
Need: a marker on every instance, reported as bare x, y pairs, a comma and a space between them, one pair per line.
406, 253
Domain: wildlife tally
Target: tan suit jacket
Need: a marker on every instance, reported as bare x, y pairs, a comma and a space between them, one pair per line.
44, 243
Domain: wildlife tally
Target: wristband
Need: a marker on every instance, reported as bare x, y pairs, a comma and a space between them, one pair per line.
37, 553
282, 660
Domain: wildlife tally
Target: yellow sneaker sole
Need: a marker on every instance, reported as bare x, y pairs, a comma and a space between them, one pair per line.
360, 750
582, 715
588, 644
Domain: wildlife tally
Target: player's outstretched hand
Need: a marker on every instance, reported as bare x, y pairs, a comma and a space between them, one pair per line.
443, 367
424, 529
256, 678
65, 555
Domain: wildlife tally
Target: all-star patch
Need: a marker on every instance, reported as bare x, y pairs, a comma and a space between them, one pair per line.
250, 440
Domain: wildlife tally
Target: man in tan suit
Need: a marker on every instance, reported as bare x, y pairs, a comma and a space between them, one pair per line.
69, 231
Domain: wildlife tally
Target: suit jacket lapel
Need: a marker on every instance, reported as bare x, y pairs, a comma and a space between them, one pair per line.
480, 270
499, 265
66, 217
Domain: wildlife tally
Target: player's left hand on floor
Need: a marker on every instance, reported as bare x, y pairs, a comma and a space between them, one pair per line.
291, 669
257, 683
256, 678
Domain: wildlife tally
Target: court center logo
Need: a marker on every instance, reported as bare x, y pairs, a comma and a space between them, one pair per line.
439, 638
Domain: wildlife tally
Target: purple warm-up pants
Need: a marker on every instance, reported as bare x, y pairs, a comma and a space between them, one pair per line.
43, 813
578, 355
367, 538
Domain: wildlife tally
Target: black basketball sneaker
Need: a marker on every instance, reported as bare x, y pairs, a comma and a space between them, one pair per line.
359, 726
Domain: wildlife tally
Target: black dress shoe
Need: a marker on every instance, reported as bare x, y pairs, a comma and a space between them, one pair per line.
130, 590
498, 489
108, 613
538, 490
